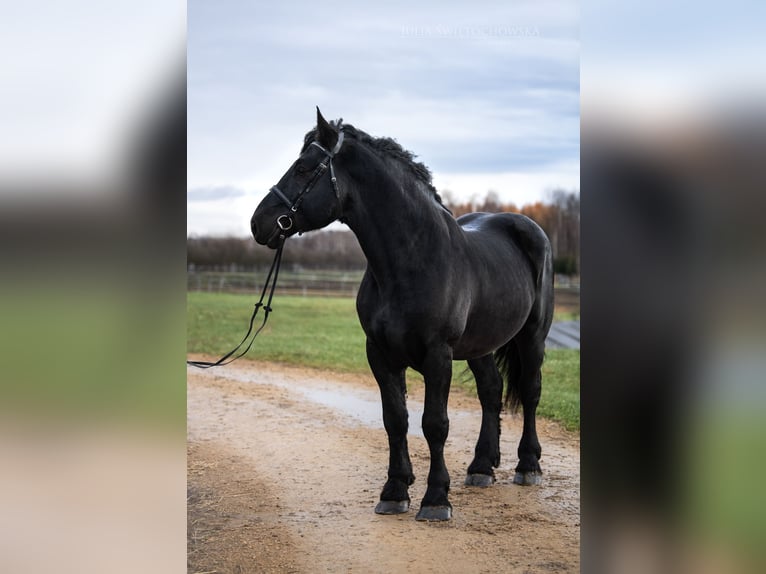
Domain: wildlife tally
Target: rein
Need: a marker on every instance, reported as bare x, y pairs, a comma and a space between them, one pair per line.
270, 279
285, 223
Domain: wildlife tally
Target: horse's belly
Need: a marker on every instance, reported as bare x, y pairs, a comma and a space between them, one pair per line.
472, 346
485, 332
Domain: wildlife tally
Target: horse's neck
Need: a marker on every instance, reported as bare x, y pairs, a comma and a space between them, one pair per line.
399, 230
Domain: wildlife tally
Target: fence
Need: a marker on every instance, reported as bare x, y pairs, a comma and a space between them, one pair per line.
327, 282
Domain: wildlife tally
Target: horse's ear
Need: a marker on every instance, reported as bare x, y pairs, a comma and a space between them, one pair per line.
326, 134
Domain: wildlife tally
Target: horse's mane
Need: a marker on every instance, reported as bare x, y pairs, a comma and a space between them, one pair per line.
386, 146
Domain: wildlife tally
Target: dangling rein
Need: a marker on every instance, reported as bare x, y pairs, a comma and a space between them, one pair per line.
271, 280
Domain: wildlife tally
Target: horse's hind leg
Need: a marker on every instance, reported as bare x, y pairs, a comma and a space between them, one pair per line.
394, 499
531, 349
489, 385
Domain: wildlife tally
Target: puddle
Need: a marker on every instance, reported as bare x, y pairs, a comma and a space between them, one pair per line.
367, 412
353, 403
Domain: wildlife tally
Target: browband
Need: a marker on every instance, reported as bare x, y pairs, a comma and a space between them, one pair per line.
335, 149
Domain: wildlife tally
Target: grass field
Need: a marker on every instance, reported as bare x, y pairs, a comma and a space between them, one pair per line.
324, 332
101, 352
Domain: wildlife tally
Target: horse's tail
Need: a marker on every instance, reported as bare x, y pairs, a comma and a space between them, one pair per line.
526, 348
508, 361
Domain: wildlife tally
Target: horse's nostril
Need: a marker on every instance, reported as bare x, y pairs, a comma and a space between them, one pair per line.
253, 227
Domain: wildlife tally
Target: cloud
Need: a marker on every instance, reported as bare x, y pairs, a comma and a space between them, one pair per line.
474, 102
519, 187
214, 193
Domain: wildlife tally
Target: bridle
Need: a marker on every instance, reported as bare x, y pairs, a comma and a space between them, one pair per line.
285, 221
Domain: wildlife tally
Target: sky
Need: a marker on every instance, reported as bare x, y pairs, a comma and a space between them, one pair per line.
658, 62
78, 78
486, 94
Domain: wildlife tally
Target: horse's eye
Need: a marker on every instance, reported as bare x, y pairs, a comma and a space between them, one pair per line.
300, 168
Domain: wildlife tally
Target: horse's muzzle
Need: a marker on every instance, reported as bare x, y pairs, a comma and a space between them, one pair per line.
254, 227
268, 235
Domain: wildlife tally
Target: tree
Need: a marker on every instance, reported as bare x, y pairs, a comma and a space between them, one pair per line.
559, 217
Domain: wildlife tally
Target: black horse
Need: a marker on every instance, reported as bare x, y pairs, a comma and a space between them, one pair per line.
436, 289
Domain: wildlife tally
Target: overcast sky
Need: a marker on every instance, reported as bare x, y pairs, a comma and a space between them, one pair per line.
485, 93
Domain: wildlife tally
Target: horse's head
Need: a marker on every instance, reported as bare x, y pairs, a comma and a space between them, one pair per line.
307, 197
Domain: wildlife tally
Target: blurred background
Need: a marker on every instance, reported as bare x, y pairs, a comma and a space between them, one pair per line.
673, 244
92, 215
93, 203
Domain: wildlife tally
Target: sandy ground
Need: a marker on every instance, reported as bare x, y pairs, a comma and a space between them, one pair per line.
285, 467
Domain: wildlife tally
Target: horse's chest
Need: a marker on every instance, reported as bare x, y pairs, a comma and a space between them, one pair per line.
401, 332
388, 327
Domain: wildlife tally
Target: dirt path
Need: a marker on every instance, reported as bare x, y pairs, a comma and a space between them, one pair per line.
285, 467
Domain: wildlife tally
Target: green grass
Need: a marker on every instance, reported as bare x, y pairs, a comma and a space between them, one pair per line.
324, 333
566, 315
310, 331
724, 434
560, 398
99, 352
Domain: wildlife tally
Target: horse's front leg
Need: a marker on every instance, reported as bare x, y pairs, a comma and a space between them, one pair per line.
394, 499
437, 372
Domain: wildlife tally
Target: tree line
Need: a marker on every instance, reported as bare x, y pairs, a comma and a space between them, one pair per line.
319, 249
559, 217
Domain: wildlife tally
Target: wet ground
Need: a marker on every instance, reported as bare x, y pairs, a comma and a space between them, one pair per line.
285, 467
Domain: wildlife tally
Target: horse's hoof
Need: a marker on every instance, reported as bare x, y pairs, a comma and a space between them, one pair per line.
392, 507
528, 478
479, 480
434, 513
